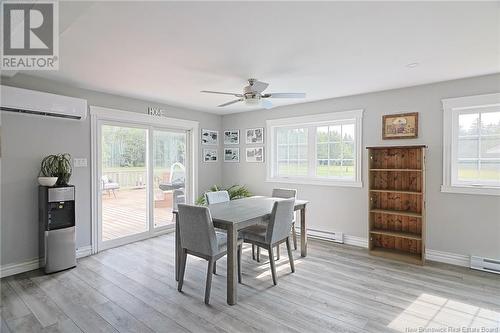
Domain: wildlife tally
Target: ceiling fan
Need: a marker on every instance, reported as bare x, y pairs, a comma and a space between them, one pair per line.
252, 94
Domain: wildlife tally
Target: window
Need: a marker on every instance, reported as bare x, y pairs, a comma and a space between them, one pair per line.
322, 149
472, 144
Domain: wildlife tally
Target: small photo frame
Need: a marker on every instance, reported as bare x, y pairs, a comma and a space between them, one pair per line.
209, 137
231, 155
209, 155
400, 126
231, 137
255, 135
255, 155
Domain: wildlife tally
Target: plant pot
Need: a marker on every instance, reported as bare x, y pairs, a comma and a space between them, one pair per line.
47, 181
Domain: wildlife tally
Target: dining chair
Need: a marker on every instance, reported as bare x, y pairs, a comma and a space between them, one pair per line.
199, 238
216, 197
277, 231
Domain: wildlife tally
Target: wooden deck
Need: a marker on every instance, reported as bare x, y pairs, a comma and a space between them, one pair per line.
126, 214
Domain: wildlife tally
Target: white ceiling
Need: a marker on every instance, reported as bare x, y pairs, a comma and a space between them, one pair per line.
168, 51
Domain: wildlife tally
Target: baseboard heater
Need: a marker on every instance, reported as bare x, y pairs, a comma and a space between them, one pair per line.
337, 237
485, 264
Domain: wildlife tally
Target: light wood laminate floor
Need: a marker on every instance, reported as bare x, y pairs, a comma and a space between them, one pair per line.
336, 288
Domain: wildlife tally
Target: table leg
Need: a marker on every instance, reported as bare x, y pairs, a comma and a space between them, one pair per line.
232, 267
177, 246
303, 233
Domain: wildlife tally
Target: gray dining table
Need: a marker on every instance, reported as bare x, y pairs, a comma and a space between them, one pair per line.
233, 216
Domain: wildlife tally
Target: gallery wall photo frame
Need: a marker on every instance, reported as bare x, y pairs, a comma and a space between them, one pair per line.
231, 155
232, 137
254, 135
255, 154
400, 126
209, 137
210, 155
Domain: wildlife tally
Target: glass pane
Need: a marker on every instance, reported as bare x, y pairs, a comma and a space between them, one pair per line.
335, 168
335, 133
302, 168
348, 168
468, 170
282, 135
123, 182
282, 152
490, 123
468, 124
322, 134
490, 171
302, 135
348, 149
283, 168
322, 151
335, 150
293, 152
169, 174
348, 132
322, 168
490, 147
302, 152
468, 148
292, 168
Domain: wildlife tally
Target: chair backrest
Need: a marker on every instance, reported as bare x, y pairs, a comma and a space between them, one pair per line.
280, 222
105, 179
216, 197
197, 229
285, 193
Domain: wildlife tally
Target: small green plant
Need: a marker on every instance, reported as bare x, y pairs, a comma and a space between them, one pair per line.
235, 192
57, 166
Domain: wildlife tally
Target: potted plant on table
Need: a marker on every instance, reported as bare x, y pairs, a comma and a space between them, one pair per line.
235, 192
55, 169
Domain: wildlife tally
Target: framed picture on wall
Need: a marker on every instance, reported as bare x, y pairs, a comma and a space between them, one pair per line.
231, 154
255, 154
255, 135
400, 126
231, 137
209, 155
209, 137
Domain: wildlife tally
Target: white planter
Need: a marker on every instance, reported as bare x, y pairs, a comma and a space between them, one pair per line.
47, 181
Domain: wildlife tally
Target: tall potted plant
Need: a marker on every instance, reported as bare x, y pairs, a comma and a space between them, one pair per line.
235, 192
55, 166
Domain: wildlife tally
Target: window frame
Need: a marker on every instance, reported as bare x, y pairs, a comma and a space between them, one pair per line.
314, 121
452, 108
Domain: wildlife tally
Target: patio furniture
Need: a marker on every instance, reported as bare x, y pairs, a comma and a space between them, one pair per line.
109, 186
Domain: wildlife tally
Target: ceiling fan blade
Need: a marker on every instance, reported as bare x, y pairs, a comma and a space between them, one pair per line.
221, 93
285, 95
231, 102
259, 86
266, 104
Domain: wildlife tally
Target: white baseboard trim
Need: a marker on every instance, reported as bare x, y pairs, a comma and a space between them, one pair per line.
447, 258
356, 241
83, 251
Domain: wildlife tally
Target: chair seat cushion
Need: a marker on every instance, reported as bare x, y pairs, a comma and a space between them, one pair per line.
255, 233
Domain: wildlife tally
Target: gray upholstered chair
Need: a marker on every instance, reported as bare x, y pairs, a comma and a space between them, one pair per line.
216, 197
199, 238
274, 233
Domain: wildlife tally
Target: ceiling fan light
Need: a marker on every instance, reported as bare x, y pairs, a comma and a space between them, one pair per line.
252, 101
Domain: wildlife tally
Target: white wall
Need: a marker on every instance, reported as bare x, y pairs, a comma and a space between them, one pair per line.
456, 223
27, 139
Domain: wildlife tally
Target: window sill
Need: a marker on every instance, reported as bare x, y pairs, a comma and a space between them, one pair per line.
481, 190
319, 182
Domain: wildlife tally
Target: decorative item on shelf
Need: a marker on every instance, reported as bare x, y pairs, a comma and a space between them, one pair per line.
255, 135
210, 155
231, 137
255, 154
209, 137
400, 126
235, 192
231, 154
55, 169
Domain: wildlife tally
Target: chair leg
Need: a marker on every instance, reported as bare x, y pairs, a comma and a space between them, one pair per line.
253, 252
182, 269
273, 266
215, 267
114, 194
290, 256
278, 252
208, 287
294, 235
258, 254
239, 263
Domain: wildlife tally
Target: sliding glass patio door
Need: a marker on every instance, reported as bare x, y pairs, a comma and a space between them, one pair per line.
142, 175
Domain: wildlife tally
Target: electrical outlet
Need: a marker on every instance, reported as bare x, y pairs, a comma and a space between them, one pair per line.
80, 162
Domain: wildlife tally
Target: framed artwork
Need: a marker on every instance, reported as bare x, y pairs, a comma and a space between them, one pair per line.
400, 126
231, 137
255, 154
209, 155
209, 137
255, 135
231, 154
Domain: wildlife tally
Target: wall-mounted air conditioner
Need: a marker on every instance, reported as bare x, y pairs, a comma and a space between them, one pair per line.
42, 104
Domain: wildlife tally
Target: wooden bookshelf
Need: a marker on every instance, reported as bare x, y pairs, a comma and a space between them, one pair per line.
397, 202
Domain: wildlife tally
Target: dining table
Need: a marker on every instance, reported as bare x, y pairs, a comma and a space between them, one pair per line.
233, 216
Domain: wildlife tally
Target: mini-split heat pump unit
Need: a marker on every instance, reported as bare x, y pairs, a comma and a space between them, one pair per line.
43, 104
